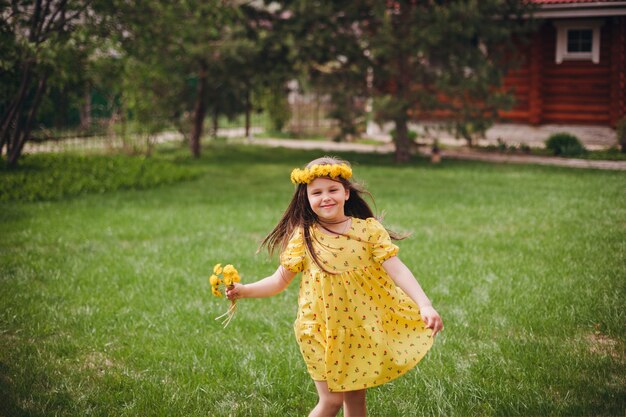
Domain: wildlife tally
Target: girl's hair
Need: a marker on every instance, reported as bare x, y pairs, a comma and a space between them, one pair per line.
300, 214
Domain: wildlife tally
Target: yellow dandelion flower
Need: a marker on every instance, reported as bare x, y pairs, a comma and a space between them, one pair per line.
346, 171
214, 280
228, 280
226, 276
305, 176
229, 270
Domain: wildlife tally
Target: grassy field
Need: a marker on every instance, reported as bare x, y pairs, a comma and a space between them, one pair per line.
105, 307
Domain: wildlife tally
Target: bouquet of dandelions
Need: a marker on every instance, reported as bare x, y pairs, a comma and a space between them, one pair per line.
226, 276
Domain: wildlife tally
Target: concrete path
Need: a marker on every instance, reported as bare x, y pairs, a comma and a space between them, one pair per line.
453, 152
463, 154
516, 134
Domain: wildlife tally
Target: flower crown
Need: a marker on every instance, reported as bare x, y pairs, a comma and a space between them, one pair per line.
306, 175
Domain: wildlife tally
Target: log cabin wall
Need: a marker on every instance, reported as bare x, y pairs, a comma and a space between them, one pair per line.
570, 92
518, 82
618, 70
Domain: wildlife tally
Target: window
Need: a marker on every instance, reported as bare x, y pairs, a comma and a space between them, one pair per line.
578, 40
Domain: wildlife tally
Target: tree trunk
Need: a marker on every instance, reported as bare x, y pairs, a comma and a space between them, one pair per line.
403, 144
463, 130
248, 114
23, 126
12, 114
216, 115
85, 109
199, 111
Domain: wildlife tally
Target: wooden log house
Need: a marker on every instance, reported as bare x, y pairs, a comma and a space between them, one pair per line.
574, 68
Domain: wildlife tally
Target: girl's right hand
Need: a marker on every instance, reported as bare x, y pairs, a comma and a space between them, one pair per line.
235, 292
432, 319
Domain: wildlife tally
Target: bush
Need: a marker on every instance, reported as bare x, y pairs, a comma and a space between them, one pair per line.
410, 133
525, 148
611, 154
55, 176
565, 144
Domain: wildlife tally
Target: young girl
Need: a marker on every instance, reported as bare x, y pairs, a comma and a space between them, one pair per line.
363, 319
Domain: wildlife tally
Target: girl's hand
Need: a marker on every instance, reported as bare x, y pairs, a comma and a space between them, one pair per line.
236, 291
432, 319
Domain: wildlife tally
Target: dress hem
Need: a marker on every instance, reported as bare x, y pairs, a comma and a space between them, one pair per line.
382, 380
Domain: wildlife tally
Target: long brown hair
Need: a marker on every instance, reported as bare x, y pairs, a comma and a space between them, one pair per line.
300, 214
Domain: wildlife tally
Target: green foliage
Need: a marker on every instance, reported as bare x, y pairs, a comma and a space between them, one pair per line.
274, 102
290, 135
611, 154
349, 112
343, 78
55, 176
46, 48
525, 148
411, 134
193, 60
419, 57
565, 144
151, 96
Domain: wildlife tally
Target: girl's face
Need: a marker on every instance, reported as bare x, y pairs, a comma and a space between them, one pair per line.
327, 199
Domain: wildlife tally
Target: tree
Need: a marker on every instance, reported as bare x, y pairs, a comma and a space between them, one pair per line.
268, 64
42, 40
203, 58
445, 57
175, 44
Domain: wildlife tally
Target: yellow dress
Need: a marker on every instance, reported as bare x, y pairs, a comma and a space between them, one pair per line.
356, 329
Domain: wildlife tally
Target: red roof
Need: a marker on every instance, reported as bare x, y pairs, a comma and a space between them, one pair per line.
570, 1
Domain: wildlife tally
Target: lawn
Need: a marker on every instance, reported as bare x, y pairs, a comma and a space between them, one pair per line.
105, 307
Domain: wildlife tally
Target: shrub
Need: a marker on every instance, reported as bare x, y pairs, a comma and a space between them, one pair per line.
565, 144
410, 133
56, 176
525, 148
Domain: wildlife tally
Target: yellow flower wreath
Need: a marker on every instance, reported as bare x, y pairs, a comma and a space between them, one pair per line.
305, 176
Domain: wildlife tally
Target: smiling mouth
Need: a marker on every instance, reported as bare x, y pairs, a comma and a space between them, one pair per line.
331, 205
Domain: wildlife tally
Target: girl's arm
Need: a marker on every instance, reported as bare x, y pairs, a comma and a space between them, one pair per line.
266, 287
403, 277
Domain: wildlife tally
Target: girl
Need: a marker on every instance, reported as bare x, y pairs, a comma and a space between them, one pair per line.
363, 319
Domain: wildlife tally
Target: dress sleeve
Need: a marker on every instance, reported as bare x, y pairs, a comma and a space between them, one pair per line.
292, 258
381, 246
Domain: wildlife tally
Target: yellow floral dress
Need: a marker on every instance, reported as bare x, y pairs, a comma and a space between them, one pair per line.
356, 329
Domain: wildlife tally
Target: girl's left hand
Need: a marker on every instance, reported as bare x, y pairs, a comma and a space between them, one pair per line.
235, 292
432, 319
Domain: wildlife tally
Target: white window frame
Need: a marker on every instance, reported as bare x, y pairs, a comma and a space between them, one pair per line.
562, 29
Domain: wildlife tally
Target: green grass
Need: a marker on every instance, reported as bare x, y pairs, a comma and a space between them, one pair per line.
105, 306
